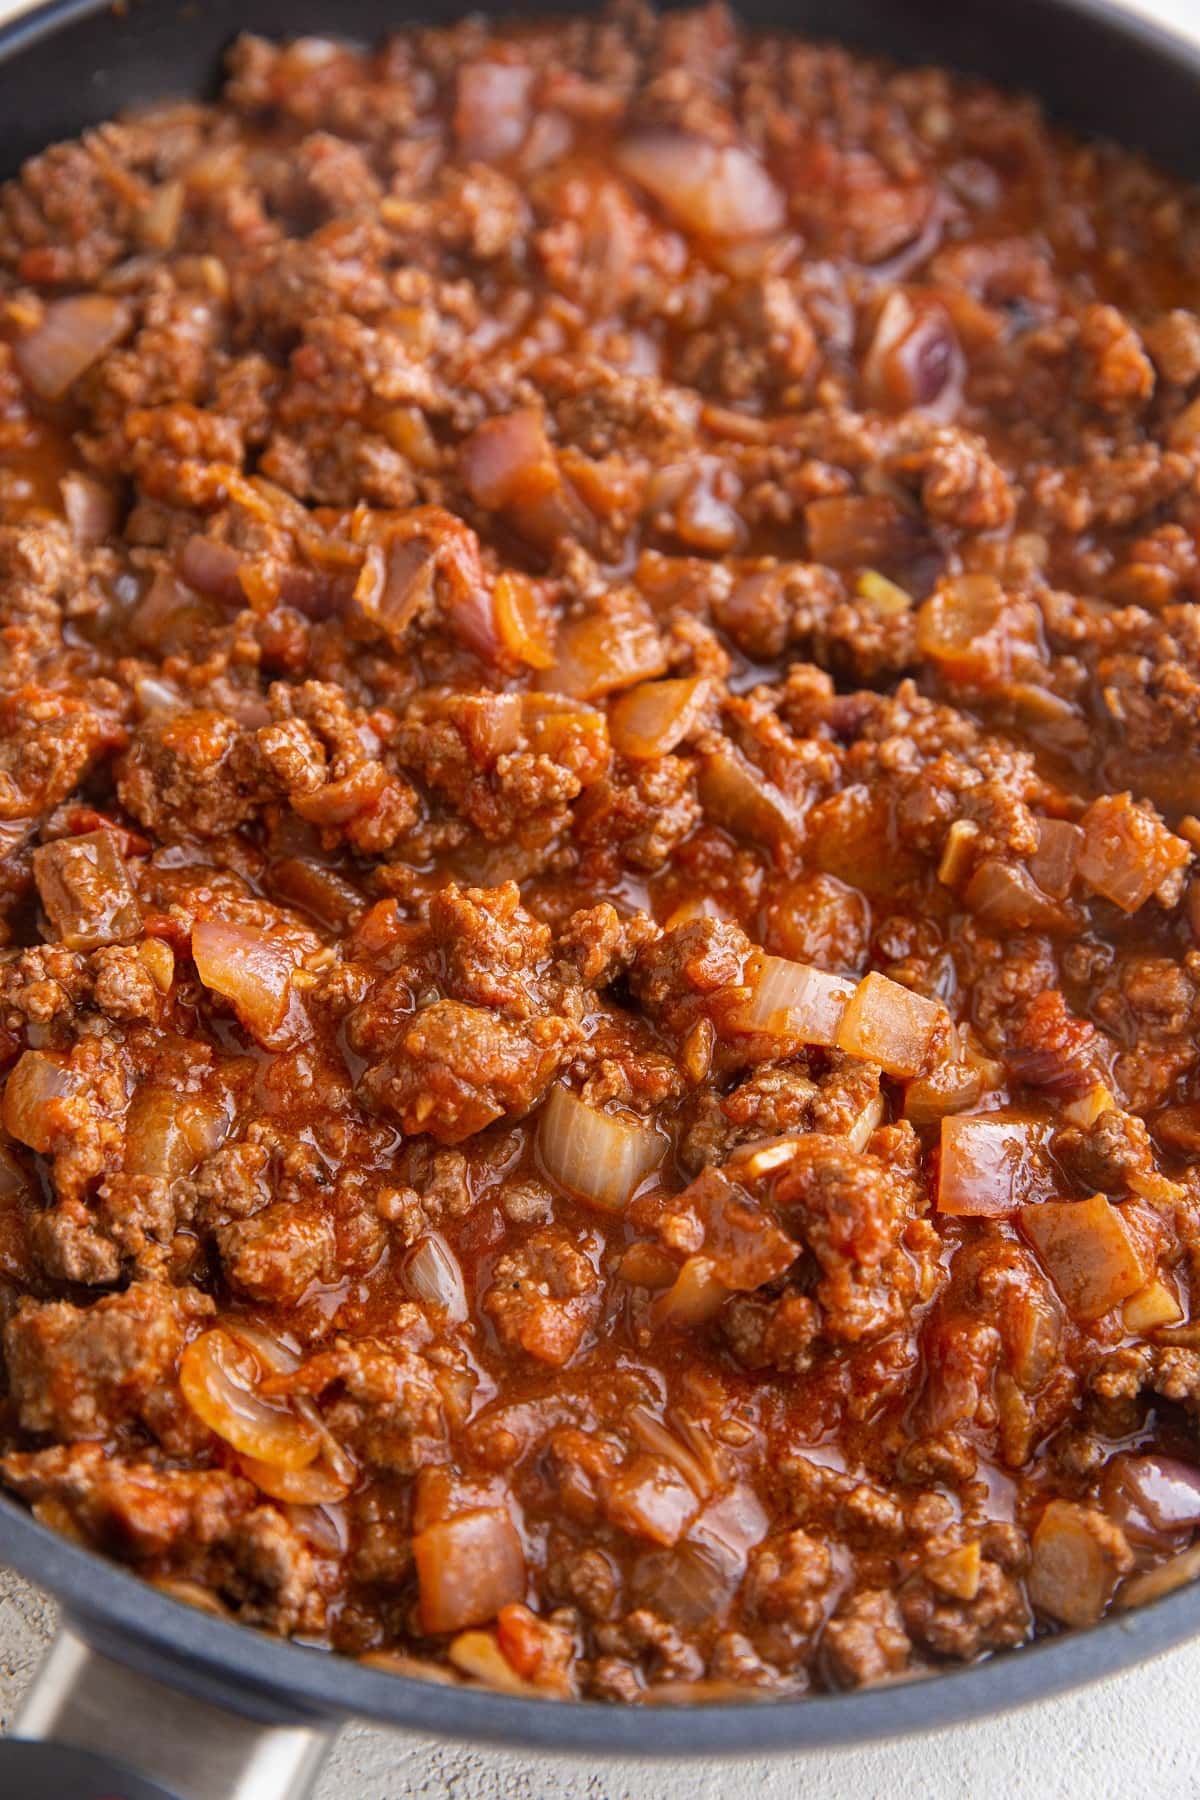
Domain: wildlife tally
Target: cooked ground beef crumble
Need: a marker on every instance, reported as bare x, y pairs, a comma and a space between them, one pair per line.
599, 774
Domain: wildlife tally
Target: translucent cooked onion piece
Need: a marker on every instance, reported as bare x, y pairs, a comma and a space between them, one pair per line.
651, 719
32, 1094
219, 1377
314, 1485
468, 1568
1056, 858
253, 974
889, 1025
738, 797
790, 999
992, 1164
73, 334
1074, 1567
522, 629
1151, 1307
695, 1296
167, 1133
1127, 853
90, 508
720, 191
602, 1157
433, 1274
1089, 1253
606, 649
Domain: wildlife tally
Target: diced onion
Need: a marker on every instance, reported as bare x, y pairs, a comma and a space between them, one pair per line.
1127, 852
1152, 1584
604, 650
31, 1095
992, 1164
651, 1499
73, 334
653, 1435
888, 1024
739, 798
597, 1155
217, 1378
1153, 1498
1150, 1307
255, 975
432, 1273
91, 508
315, 1485
719, 191
1054, 862
522, 629
859, 531
1089, 1253
167, 1133
959, 628
1071, 1577
491, 110
790, 999
689, 1585
651, 719
477, 1654
1005, 893
213, 567
468, 1568
84, 887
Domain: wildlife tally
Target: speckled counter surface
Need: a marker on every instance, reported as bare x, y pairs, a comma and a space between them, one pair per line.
1137, 1734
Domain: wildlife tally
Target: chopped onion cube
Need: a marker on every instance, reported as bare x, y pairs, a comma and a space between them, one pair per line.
606, 649
31, 1094
651, 719
243, 966
651, 1499
716, 190
73, 334
695, 1296
992, 1164
315, 1485
740, 798
1127, 852
790, 999
889, 1025
1150, 1307
1076, 1563
1056, 858
1089, 1253
599, 1156
468, 1567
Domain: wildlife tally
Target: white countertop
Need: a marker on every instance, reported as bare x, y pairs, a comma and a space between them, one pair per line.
1135, 1734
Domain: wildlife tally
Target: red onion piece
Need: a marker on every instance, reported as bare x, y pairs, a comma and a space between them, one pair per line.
91, 508
74, 333
491, 111
468, 1568
211, 567
716, 190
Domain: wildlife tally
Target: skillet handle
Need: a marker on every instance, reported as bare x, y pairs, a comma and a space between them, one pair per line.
192, 1748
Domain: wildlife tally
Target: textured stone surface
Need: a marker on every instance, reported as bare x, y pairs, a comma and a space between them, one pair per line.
1136, 1734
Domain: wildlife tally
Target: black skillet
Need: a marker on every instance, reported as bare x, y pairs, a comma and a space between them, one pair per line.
214, 1710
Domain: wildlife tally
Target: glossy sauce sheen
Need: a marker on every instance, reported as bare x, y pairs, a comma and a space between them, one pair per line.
600, 727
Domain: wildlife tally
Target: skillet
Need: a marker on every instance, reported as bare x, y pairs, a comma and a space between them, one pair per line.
207, 1709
